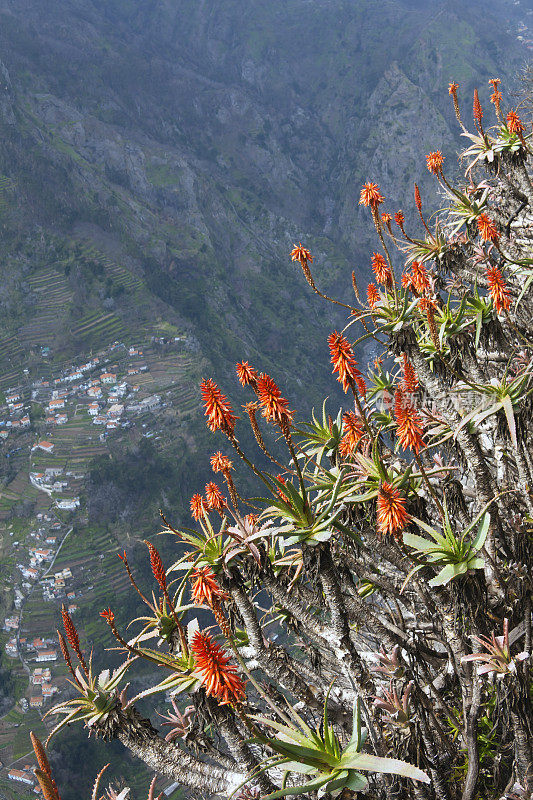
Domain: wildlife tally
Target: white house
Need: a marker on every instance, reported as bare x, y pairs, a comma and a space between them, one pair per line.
18, 775
54, 405
47, 447
11, 648
93, 409
47, 655
68, 505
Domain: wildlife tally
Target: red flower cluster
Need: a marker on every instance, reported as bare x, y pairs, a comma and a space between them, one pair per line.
417, 280
70, 630
220, 463
381, 270
371, 195
205, 589
487, 228
218, 410
391, 514
352, 434
452, 89
514, 123
496, 96
108, 615
273, 406
477, 110
409, 430
300, 254
344, 363
198, 506
157, 566
372, 294
418, 199
215, 499
410, 378
218, 676
435, 161
246, 374
498, 290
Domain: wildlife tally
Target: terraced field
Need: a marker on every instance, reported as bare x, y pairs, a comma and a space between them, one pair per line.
75, 444
11, 357
98, 328
52, 299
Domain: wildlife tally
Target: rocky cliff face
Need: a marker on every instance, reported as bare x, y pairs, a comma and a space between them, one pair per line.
194, 140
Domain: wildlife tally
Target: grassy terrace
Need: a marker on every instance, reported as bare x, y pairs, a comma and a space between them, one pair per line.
52, 298
98, 328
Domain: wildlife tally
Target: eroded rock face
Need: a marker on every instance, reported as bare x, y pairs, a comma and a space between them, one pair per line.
202, 138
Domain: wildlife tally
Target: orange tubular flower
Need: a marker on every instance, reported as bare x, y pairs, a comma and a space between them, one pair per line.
477, 110
300, 254
373, 296
498, 290
274, 407
410, 378
220, 463
418, 199
381, 270
371, 196
70, 630
386, 219
157, 566
496, 96
409, 431
399, 219
281, 494
218, 411
419, 277
218, 676
352, 434
344, 363
407, 280
435, 161
391, 514
514, 123
205, 589
215, 499
487, 228
198, 506
452, 90
108, 615
246, 374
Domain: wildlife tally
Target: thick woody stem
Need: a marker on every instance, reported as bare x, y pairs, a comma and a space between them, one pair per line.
272, 660
472, 716
167, 759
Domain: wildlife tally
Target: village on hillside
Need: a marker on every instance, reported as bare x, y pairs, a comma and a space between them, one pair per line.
54, 426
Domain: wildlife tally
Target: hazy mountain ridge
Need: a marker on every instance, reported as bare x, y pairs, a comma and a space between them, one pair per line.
192, 142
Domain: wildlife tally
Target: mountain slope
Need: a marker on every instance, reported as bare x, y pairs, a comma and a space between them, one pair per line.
193, 141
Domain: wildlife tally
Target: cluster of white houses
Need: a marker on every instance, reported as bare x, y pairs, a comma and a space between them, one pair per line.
17, 414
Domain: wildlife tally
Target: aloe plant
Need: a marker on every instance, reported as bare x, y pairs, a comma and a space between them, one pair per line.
98, 697
319, 755
458, 554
